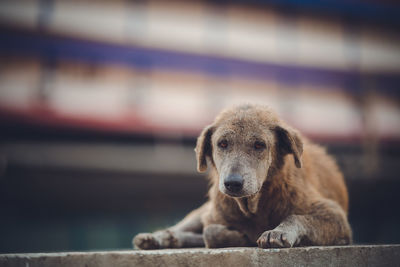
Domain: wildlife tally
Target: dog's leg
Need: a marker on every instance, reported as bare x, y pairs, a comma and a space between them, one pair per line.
326, 224
168, 239
219, 236
187, 233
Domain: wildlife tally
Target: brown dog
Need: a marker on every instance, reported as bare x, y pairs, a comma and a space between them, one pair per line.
269, 186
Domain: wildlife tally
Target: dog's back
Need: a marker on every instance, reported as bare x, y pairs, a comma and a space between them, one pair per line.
321, 171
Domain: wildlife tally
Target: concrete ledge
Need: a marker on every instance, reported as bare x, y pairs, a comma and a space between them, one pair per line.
375, 255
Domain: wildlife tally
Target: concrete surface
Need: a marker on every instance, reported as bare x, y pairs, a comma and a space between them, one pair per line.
376, 255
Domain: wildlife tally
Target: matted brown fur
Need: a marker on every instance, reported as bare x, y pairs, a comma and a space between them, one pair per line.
270, 187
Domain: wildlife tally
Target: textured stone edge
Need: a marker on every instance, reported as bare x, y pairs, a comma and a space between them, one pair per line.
359, 255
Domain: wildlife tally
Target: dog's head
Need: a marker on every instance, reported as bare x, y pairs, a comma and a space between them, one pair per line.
243, 144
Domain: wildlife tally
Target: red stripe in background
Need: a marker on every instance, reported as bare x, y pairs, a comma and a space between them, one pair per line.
43, 116
132, 124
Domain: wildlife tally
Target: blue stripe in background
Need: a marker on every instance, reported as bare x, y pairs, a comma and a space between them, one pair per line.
53, 47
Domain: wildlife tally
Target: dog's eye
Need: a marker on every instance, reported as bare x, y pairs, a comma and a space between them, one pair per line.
223, 144
259, 145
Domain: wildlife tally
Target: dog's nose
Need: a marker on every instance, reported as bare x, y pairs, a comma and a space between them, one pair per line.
234, 182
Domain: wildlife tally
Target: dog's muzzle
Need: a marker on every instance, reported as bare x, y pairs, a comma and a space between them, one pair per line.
234, 183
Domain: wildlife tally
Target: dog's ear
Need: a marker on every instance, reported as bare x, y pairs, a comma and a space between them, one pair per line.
289, 141
204, 148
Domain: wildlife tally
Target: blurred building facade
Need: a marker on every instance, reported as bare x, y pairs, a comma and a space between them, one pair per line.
101, 102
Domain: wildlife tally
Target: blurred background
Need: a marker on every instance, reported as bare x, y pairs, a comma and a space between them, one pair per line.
101, 103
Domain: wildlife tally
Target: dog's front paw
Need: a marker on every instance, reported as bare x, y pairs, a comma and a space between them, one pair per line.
278, 239
156, 240
145, 241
